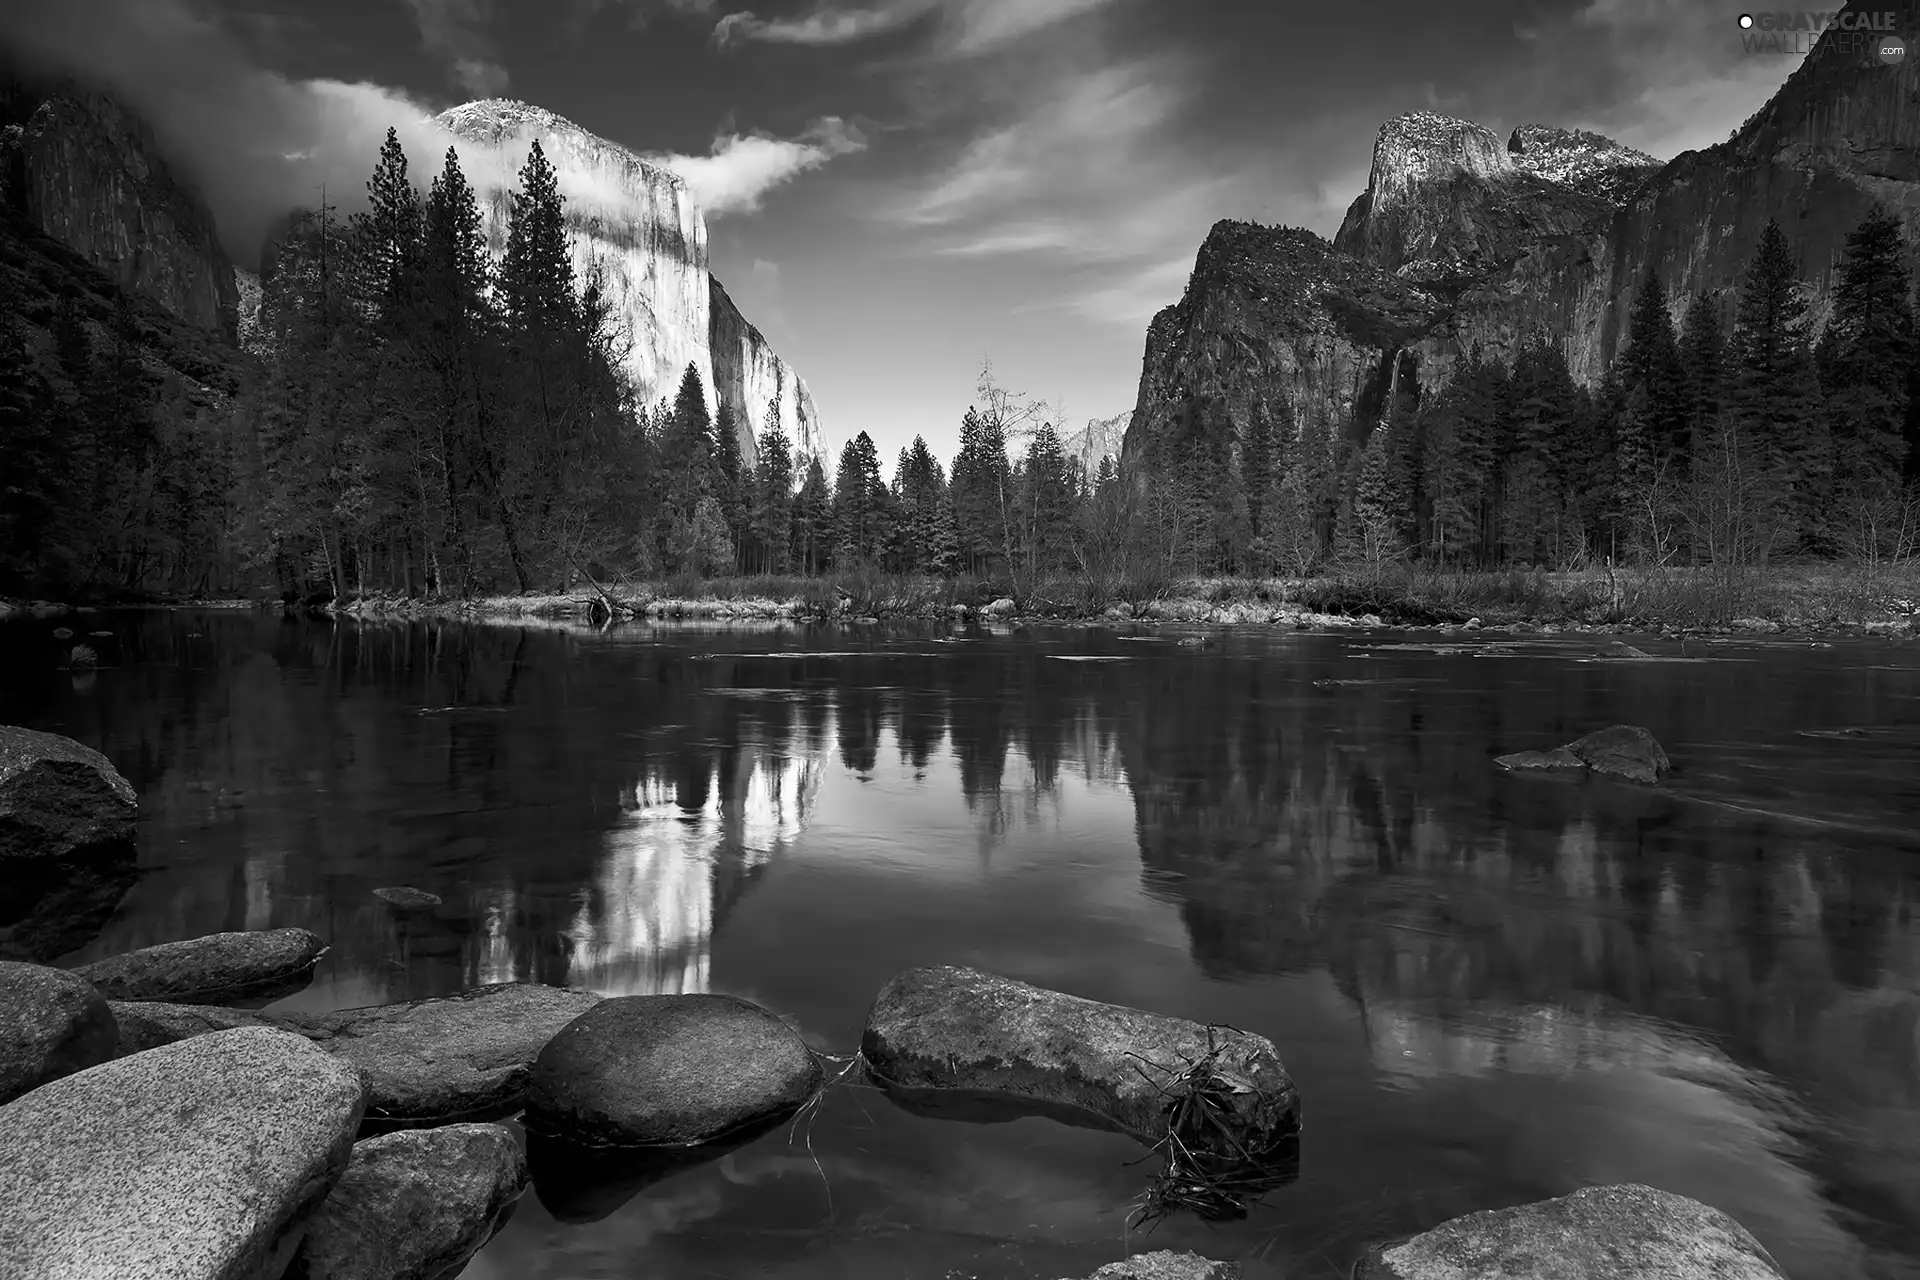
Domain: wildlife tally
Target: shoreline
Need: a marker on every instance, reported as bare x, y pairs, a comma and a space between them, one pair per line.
1821, 601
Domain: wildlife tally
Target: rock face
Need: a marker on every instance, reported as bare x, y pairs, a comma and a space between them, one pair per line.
414, 1206
201, 1159
88, 172
425, 1061
218, 967
58, 797
1164, 1264
1484, 243
959, 1031
1622, 750
1626, 1232
669, 1070
749, 376
640, 225
52, 1024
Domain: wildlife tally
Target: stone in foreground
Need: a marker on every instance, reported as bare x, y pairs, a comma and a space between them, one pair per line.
58, 797
52, 1024
1623, 750
1624, 1232
1165, 1264
460, 1057
958, 1031
415, 1205
202, 1159
668, 1070
406, 898
209, 970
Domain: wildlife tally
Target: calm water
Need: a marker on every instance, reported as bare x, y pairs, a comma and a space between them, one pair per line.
1490, 988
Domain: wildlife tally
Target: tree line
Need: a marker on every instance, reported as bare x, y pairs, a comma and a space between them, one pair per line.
419, 415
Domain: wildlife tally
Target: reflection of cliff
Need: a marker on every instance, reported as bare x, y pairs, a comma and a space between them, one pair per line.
683, 852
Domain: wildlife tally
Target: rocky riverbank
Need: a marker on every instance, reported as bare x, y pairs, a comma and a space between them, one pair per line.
152, 1128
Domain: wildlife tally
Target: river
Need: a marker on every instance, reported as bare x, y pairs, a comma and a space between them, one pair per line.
1490, 987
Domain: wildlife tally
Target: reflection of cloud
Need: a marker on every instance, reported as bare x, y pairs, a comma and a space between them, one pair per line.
645, 927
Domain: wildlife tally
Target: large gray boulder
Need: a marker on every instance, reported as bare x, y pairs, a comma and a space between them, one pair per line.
58, 797
51, 1025
459, 1057
212, 969
1624, 1232
1165, 1264
199, 1160
951, 1030
1622, 750
414, 1205
668, 1070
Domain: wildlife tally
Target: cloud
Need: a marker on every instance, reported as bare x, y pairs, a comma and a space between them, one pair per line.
741, 169
456, 32
578, 14
966, 26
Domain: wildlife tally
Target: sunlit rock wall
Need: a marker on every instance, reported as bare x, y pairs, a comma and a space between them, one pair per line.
751, 376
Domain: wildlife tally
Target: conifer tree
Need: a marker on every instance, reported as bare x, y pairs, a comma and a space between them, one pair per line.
729, 487
1864, 357
773, 495
1774, 391
1650, 362
389, 236
1046, 502
536, 271
981, 479
1703, 357
813, 520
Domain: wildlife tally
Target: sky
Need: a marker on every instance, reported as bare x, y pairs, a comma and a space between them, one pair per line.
899, 192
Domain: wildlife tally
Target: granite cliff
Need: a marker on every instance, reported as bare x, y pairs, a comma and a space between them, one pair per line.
80, 168
640, 225
1459, 240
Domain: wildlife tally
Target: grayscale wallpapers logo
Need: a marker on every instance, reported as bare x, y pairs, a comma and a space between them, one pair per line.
1863, 37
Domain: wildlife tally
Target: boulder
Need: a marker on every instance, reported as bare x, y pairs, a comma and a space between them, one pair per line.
58, 797
201, 1159
405, 898
51, 1025
1001, 608
1622, 750
668, 1070
1621, 649
210, 970
460, 1057
1625, 1232
414, 1205
1165, 1264
973, 1035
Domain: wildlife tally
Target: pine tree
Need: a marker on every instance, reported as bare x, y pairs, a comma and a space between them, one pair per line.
813, 520
1650, 362
388, 236
687, 448
728, 484
773, 495
981, 479
1046, 495
536, 272
1774, 390
1703, 358
1864, 357
858, 510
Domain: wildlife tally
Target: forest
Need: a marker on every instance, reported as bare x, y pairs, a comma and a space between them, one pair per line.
414, 415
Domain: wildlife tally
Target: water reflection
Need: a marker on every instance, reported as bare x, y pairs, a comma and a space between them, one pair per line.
683, 850
1491, 988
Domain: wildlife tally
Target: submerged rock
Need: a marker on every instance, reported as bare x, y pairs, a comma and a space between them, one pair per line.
959, 1034
52, 1024
1165, 1264
579, 1184
58, 797
407, 899
415, 1205
58, 905
668, 1070
212, 969
1621, 649
1623, 750
201, 1159
427, 1061
1624, 1232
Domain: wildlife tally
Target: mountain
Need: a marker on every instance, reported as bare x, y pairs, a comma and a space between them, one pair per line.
640, 225
77, 166
1459, 240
